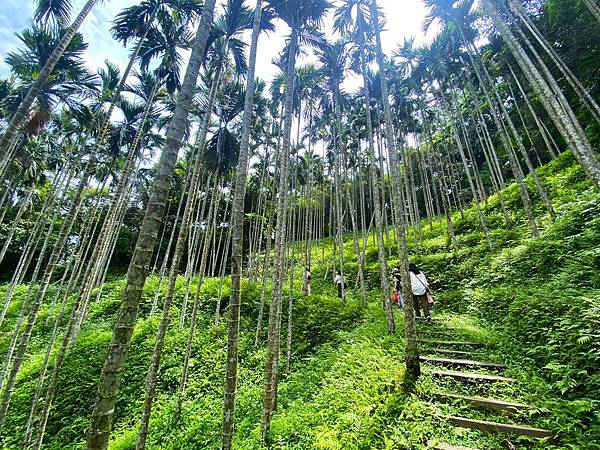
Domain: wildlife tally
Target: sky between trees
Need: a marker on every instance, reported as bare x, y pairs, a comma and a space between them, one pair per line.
404, 19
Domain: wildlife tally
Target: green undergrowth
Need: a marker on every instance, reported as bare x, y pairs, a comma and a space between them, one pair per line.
535, 302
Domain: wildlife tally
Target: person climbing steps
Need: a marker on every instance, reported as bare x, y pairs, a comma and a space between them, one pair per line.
420, 288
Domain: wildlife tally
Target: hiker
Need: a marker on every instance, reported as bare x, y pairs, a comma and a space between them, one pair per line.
307, 278
397, 296
339, 282
420, 288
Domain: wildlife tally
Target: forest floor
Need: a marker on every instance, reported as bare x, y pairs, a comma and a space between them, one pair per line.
535, 303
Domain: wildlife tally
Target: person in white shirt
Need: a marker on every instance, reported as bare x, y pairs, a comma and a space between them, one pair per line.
420, 287
339, 282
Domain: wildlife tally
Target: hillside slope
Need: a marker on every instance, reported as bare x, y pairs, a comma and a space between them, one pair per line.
536, 302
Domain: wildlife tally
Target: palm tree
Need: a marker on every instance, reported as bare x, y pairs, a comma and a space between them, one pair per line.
108, 386
445, 11
334, 60
223, 42
62, 7
353, 17
164, 40
413, 368
237, 232
300, 16
70, 84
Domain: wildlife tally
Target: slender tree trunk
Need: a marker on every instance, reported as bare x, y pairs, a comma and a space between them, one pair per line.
337, 181
568, 74
180, 244
476, 198
237, 236
33, 241
263, 291
536, 118
201, 273
413, 368
594, 8
375, 182
271, 371
25, 204
103, 411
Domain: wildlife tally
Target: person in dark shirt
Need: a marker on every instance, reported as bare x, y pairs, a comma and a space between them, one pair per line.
398, 298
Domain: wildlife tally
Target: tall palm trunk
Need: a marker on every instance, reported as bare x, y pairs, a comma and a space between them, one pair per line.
536, 118
77, 267
237, 236
446, 202
272, 370
20, 115
102, 250
476, 198
25, 205
34, 239
194, 251
201, 273
263, 290
337, 180
375, 182
180, 245
108, 386
167, 255
359, 254
494, 176
292, 249
485, 80
413, 368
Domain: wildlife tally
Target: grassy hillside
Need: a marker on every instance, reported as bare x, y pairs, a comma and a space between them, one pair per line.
536, 302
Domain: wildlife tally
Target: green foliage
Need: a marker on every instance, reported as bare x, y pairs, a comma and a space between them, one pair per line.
536, 300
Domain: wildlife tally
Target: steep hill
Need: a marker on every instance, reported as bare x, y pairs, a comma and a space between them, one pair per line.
534, 302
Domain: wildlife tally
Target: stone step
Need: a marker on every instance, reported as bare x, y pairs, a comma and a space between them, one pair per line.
452, 343
462, 362
449, 352
487, 403
495, 427
444, 446
472, 376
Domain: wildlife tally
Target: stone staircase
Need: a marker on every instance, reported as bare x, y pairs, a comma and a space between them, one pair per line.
478, 387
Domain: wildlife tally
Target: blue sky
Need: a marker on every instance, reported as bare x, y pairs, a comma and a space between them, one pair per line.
404, 19
15, 15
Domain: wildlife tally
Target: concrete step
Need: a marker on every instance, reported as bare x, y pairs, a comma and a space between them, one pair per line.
462, 362
487, 403
495, 427
472, 376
